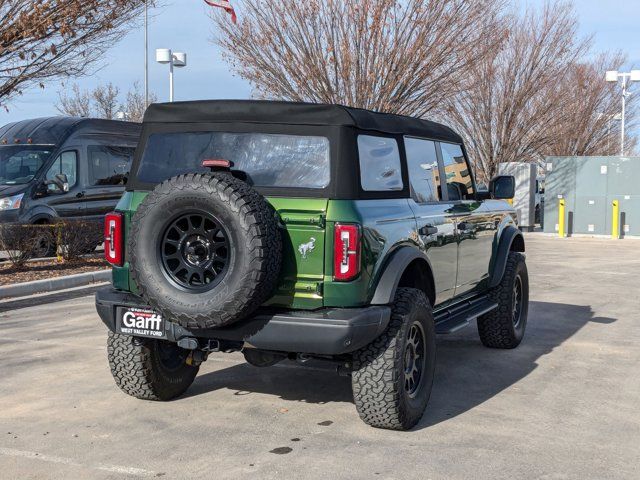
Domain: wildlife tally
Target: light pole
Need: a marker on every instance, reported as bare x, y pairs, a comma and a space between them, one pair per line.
146, 54
610, 118
613, 76
177, 59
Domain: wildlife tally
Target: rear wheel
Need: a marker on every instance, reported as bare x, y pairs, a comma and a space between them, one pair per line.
504, 327
393, 375
149, 369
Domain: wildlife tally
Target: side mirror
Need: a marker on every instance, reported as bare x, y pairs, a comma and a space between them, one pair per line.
503, 187
64, 181
60, 183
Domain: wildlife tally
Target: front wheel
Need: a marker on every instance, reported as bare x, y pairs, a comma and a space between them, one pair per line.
44, 244
393, 375
504, 326
149, 369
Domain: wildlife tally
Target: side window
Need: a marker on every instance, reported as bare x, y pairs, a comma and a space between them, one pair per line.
424, 175
379, 163
66, 163
459, 181
109, 165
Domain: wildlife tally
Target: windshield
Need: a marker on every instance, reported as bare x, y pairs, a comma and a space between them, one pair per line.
269, 160
20, 163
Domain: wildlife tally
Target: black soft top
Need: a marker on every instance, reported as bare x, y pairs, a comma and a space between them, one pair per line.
55, 130
295, 113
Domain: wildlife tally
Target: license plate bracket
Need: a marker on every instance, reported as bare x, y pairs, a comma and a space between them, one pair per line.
140, 322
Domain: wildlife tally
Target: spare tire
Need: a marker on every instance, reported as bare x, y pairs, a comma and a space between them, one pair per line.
205, 249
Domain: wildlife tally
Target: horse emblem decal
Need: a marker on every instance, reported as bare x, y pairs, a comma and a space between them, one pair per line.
307, 248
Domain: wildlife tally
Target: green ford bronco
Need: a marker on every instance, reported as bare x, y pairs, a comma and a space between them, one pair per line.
292, 231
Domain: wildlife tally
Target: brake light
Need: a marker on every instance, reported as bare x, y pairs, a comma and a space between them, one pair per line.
113, 248
216, 162
346, 252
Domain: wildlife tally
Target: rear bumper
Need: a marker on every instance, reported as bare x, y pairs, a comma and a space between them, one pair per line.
330, 331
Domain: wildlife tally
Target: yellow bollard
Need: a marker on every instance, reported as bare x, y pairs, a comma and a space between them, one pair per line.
615, 220
561, 231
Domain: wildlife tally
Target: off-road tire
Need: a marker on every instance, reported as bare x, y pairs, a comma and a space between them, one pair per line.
378, 376
497, 328
254, 235
139, 371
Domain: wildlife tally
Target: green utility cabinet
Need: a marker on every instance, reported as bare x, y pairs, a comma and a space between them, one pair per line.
589, 185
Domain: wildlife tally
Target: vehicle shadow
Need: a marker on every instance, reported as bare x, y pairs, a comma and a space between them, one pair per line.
286, 380
467, 373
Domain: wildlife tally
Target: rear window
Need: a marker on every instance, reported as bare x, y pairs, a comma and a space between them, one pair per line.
269, 160
379, 163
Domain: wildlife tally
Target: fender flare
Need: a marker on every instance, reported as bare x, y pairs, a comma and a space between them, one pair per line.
42, 216
39, 213
394, 268
510, 237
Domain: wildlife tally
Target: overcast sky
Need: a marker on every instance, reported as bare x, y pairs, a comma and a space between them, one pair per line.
184, 26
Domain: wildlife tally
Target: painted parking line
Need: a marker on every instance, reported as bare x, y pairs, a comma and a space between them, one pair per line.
10, 452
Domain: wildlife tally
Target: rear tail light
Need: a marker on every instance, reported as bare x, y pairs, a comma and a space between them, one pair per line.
113, 248
346, 252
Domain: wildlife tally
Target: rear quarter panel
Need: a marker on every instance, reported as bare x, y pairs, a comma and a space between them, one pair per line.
386, 225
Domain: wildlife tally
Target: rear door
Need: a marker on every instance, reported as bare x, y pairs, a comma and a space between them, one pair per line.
475, 224
107, 168
434, 220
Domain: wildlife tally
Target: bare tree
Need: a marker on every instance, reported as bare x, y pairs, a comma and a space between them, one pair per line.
77, 103
514, 109
45, 40
106, 101
386, 55
591, 110
135, 103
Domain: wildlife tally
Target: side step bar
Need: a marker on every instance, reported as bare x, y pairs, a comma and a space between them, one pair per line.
452, 319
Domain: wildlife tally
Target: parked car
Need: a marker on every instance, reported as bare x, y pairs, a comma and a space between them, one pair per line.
63, 168
305, 231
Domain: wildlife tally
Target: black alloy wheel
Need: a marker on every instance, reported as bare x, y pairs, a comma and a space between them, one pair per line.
415, 356
195, 251
517, 301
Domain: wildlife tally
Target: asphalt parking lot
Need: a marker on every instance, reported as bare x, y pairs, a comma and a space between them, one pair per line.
562, 406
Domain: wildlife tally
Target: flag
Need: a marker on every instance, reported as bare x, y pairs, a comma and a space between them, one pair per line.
223, 4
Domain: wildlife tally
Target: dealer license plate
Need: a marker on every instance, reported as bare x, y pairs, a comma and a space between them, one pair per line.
140, 322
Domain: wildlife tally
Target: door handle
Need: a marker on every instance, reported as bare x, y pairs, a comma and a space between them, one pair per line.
79, 194
428, 230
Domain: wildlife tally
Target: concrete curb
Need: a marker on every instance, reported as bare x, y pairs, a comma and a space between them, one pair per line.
53, 284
